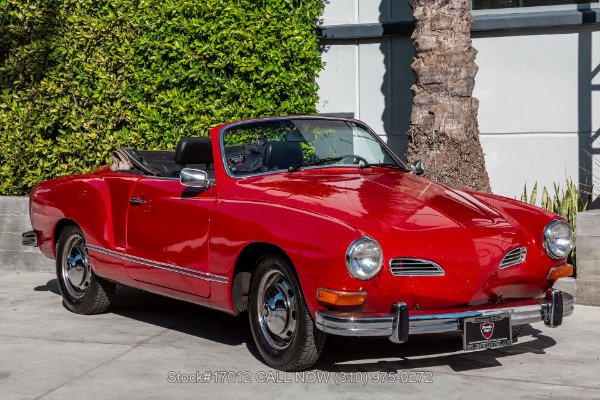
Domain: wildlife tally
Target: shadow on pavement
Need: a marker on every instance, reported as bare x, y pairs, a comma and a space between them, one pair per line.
422, 352
50, 286
181, 316
361, 354
173, 314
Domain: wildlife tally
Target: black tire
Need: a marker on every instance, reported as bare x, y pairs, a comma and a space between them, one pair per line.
90, 294
289, 352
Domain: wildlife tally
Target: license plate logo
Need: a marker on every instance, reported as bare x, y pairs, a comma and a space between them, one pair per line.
487, 329
487, 332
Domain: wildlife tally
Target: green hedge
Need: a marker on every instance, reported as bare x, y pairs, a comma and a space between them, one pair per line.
79, 78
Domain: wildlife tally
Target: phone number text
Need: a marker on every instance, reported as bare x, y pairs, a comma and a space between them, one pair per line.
338, 378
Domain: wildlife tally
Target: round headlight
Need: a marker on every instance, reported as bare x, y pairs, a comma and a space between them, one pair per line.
364, 258
558, 239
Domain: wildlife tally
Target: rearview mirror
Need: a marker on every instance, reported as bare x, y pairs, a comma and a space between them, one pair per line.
195, 178
417, 168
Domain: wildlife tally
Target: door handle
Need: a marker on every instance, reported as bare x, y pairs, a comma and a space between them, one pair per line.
134, 201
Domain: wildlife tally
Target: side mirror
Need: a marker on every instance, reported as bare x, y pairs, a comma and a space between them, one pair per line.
417, 168
195, 178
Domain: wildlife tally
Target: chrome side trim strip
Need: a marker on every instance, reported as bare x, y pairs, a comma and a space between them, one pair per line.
159, 265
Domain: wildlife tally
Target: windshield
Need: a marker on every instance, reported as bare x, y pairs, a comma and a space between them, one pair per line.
280, 144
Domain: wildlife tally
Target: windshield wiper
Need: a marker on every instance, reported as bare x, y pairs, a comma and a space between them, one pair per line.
383, 165
329, 160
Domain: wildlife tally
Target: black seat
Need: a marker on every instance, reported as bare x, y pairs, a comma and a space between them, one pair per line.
282, 155
195, 152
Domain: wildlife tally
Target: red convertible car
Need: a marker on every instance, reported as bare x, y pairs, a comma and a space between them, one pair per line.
313, 226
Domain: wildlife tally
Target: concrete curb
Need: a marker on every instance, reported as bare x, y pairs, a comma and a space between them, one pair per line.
14, 220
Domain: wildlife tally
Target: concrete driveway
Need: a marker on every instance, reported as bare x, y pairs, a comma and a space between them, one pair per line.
152, 347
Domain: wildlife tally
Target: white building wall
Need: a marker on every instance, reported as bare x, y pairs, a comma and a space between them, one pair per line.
538, 108
339, 12
530, 117
369, 79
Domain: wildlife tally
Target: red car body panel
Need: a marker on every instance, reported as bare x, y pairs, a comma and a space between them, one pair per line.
310, 215
157, 231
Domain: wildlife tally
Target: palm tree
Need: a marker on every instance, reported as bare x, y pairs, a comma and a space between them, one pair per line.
443, 131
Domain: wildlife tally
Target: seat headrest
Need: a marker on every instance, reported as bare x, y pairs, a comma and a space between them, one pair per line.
282, 154
194, 151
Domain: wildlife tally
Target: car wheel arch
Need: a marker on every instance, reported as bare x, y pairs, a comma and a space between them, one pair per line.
244, 267
60, 226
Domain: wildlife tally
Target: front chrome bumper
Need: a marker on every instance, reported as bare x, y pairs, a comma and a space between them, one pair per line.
398, 324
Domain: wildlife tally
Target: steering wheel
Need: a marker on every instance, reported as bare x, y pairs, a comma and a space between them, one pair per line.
357, 159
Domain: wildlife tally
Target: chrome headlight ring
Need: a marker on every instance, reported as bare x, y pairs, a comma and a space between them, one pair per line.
364, 258
558, 239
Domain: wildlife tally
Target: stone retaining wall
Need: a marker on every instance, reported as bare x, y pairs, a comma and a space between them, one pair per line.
588, 258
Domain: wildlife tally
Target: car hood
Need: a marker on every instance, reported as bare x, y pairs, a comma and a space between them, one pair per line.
379, 202
412, 217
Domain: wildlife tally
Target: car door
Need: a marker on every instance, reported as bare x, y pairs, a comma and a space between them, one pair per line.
167, 235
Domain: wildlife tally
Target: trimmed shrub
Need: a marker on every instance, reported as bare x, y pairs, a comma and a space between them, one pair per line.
79, 78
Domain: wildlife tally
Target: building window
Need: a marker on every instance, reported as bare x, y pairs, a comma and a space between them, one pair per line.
491, 4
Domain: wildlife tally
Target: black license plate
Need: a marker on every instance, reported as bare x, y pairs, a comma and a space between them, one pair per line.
487, 332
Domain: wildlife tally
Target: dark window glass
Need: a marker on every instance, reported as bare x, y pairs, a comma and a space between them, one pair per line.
491, 4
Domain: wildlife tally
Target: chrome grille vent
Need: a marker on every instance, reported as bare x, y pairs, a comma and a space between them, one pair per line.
514, 257
414, 267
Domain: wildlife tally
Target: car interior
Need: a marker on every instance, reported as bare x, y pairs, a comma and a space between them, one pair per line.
197, 153
190, 153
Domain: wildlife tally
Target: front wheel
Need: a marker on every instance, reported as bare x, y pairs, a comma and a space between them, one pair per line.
283, 330
82, 291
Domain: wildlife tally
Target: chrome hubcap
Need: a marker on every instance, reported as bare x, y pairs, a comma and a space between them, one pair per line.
76, 267
277, 309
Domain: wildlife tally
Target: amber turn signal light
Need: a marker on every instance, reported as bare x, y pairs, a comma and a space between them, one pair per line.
338, 298
560, 272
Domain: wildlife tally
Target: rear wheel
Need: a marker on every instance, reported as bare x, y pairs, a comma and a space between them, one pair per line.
82, 291
283, 330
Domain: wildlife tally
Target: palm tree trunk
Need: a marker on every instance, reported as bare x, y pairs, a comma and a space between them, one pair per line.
443, 131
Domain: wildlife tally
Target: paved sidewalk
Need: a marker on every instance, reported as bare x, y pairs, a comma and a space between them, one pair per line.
148, 341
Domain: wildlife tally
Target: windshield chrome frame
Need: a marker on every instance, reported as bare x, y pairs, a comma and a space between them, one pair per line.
225, 128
